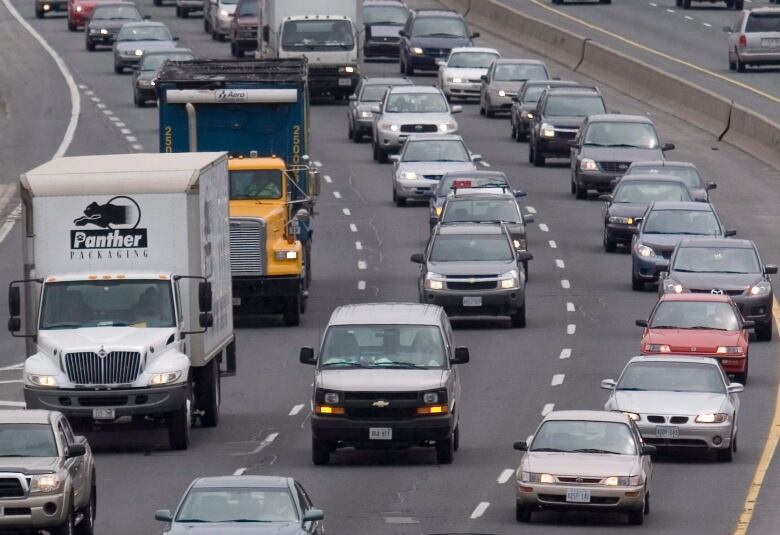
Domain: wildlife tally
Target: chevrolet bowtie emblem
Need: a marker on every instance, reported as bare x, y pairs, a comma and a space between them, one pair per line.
381, 404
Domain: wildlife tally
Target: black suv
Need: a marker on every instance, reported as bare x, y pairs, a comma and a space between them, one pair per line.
557, 119
429, 35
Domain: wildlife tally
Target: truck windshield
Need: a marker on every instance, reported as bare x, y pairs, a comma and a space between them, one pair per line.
383, 346
317, 35
255, 184
107, 303
27, 440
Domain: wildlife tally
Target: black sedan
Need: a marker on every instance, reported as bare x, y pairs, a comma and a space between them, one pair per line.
145, 76
106, 21
686, 171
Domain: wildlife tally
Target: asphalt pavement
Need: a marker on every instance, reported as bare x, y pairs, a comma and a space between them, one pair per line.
581, 313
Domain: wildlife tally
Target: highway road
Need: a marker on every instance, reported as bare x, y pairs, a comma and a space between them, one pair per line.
581, 313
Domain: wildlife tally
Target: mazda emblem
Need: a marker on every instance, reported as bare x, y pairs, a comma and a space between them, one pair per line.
693, 349
580, 480
716, 292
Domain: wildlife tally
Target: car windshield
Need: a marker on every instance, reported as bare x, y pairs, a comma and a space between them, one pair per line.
317, 35
237, 505
27, 440
475, 248
116, 13
107, 303
373, 93
385, 14
689, 175
152, 62
573, 106
763, 22
694, 222
144, 33
694, 315
435, 151
256, 184
416, 103
648, 192
247, 9
383, 346
466, 210
515, 72
716, 260
584, 437
471, 60
439, 27
634, 135
447, 182
672, 377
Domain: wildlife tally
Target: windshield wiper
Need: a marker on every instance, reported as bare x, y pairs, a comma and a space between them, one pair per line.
441, 35
343, 363
683, 270
17, 455
63, 326
632, 389
399, 365
708, 328
665, 327
248, 520
626, 145
596, 450
551, 449
192, 520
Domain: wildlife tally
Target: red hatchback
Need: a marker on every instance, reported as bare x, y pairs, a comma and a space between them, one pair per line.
701, 325
79, 12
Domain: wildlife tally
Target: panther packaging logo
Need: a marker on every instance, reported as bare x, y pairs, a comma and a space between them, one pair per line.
117, 234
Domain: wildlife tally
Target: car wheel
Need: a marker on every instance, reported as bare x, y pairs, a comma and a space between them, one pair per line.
381, 155
87, 524
445, 450
739, 5
764, 332
646, 510
89, 45
118, 69
489, 112
725, 455
482, 109
72, 27
637, 518
732, 65
408, 69
514, 132
139, 102
518, 318
610, 246
742, 377
678, 3
686, 4
206, 24
399, 201
157, 3
527, 273
350, 130
38, 13
741, 67
320, 452
523, 512
68, 526
605, 1
539, 158
456, 439
580, 192
521, 135
637, 284
180, 423
401, 66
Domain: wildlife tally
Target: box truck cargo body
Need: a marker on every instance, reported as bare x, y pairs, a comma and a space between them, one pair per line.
127, 293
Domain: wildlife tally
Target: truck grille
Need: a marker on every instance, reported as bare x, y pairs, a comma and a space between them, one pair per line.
419, 128
115, 368
614, 167
373, 413
373, 396
476, 282
318, 70
11, 487
247, 246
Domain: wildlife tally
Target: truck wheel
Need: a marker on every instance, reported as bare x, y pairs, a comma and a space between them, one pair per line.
38, 13
320, 452
180, 423
209, 393
686, 4
307, 263
292, 312
184, 13
68, 526
87, 524
158, 3
445, 450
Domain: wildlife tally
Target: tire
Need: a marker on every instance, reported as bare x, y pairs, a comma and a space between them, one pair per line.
118, 69
88, 513
539, 159
637, 518
213, 34
742, 377
139, 102
210, 393
610, 246
646, 510
518, 318
732, 65
530, 152
72, 27
292, 312
206, 24
739, 5
580, 192
686, 4
456, 439
678, 3
320, 452
374, 150
157, 3
522, 513
605, 1
764, 332
514, 133
489, 113
178, 12
482, 109
527, 273
521, 135
401, 66
68, 527
399, 201
89, 45
725, 455
38, 13
381, 155
408, 69
232, 49
637, 284
741, 67
180, 423
445, 450
185, 14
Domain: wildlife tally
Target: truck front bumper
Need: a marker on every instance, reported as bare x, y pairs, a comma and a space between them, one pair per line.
331, 82
265, 294
78, 403
28, 513
349, 432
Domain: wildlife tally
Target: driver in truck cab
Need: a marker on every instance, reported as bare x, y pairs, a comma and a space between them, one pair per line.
256, 184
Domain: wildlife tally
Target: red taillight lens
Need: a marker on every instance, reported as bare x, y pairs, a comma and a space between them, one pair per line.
742, 41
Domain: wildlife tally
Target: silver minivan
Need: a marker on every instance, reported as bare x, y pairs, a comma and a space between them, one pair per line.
386, 378
754, 38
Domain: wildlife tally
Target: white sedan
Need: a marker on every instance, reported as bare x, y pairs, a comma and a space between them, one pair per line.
460, 76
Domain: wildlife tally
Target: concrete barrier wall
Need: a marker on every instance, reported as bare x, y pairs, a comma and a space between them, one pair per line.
754, 134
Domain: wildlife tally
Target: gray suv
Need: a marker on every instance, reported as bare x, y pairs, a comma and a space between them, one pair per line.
386, 377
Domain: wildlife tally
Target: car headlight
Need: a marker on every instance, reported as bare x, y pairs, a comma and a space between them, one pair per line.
434, 281
286, 255
672, 286
366, 114
389, 126
430, 397
621, 220
42, 380
417, 50
712, 418
103, 31
79, 9
621, 481
164, 378
331, 398
349, 69
634, 416
762, 288
438, 211
587, 164
535, 477
547, 130
408, 175
144, 83
455, 80
153, 82
644, 250
446, 127
501, 93
224, 13
509, 280
658, 348
728, 350
526, 115
45, 483
138, 52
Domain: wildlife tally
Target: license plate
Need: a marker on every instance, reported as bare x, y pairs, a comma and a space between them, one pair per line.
472, 301
667, 431
771, 43
236, 301
578, 495
380, 433
103, 414
345, 81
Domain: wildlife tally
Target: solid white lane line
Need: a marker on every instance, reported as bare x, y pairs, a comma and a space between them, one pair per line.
560, 263
361, 285
530, 209
553, 245
353, 227
548, 408
327, 179
295, 410
565, 284
265, 443
543, 227
346, 211
570, 307
565, 353
504, 476
358, 246
557, 379
362, 264
13, 404
239, 472
571, 328
337, 194
480, 510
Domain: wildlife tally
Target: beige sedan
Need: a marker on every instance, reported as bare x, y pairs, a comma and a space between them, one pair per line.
585, 460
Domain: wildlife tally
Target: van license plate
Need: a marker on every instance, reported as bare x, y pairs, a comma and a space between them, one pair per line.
380, 433
578, 495
667, 431
345, 82
103, 414
472, 301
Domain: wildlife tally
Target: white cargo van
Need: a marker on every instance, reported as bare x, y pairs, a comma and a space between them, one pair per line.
127, 301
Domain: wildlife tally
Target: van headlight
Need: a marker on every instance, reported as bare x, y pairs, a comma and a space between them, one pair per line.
164, 378
45, 483
48, 381
434, 281
509, 280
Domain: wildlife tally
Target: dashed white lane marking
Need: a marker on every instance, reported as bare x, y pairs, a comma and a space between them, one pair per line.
82, 86
553, 245
346, 211
480, 510
362, 264
117, 120
358, 246
361, 285
137, 147
653, 4
10, 221
571, 328
557, 379
101, 105
543, 227
295, 410
239, 472
530, 209
125, 131
565, 353
131, 139
560, 263
547, 409
108, 112
337, 194
504, 476
8, 382
327, 179
94, 99
265, 443
565, 284
687, 17
670, 10
13, 404
353, 227
707, 24
570, 307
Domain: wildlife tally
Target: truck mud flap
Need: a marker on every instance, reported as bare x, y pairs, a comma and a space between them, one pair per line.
227, 365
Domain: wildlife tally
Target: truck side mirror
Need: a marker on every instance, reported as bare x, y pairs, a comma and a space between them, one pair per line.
417, 258
14, 324
163, 515
206, 320
266, 33
524, 256
307, 355
76, 449
204, 296
461, 355
14, 301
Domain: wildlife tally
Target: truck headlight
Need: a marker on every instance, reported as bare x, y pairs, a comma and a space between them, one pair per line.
45, 483
42, 380
446, 127
408, 175
712, 418
509, 280
286, 255
138, 52
762, 288
547, 130
389, 126
434, 281
331, 398
349, 69
164, 378
587, 164
621, 220
417, 50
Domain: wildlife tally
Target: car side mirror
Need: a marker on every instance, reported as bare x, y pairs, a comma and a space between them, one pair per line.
648, 449
147, 17
306, 355
353, 97
520, 193
417, 258
394, 158
528, 218
375, 109
313, 515
736, 388
441, 63
711, 186
641, 323
514, 99
475, 35
484, 78
608, 384
770, 269
175, 37
403, 33
461, 356
663, 264
729, 232
520, 445
573, 143
524, 256
456, 109
668, 146
206, 320
77, 449
605, 197
748, 324
163, 515
476, 157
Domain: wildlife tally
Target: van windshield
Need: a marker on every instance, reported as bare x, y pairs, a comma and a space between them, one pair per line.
317, 35
383, 346
107, 303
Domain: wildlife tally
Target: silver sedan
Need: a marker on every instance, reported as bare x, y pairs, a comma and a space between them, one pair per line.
679, 401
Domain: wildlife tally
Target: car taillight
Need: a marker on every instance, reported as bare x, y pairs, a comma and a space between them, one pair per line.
742, 41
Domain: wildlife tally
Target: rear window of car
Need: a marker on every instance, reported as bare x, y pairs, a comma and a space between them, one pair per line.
471, 249
689, 175
573, 106
439, 27
763, 22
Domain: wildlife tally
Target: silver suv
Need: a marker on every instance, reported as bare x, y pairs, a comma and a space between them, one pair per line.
410, 110
386, 377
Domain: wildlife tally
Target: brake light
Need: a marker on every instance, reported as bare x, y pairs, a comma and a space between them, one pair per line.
742, 41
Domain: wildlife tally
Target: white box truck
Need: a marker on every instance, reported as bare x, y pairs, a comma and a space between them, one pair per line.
127, 301
329, 33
